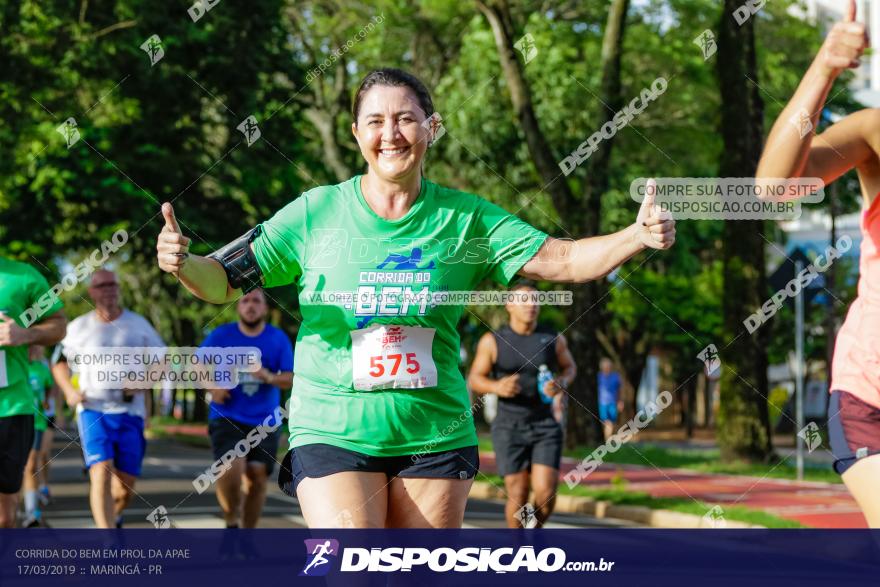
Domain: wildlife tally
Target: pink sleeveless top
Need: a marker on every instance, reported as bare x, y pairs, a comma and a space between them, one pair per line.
856, 365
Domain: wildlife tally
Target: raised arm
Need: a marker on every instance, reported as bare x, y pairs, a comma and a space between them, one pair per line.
203, 277
791, 151
595, 257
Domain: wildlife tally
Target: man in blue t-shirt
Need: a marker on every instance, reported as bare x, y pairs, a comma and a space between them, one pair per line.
249, 407
609, 396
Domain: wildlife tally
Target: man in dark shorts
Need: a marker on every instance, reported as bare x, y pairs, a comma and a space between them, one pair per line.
526, 437
251, 407
29, 314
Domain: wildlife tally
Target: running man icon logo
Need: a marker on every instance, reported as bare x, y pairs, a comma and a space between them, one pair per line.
406, 262
706, 43
709, 356
527, 47
318, 551
801, 121
153, 48
434, 123
810, 434
344, 519
250, 130
69, 131
714, 518
159, 517
526, 516
324, 247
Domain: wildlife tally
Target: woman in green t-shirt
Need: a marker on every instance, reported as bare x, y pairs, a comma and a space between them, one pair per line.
381, 432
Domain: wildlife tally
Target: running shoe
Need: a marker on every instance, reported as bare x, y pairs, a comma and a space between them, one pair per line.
31, 521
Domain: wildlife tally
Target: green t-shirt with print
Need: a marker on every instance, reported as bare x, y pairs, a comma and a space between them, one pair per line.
330, 240
24, 295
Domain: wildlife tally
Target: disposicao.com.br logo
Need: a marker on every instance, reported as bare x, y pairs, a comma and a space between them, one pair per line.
441, 560
318, 563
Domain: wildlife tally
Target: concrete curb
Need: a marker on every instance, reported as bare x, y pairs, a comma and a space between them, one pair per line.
575, 504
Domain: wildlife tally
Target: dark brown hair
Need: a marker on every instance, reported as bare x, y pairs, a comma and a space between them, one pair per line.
524, 284
389, 76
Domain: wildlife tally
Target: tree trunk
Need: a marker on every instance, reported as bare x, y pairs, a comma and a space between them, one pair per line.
325, 123
690, 412
581, 214
498, 15
743, 422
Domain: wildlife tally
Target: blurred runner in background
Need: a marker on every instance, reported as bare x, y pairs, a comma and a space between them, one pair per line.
527, 365
110, 421
236, 412
22, 291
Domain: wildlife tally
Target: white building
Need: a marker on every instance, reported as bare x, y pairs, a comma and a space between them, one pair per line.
866, 84
812, 231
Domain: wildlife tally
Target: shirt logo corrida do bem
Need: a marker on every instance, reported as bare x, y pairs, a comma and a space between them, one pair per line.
390, 289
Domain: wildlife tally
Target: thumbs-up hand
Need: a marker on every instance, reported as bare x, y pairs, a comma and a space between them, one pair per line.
844, 45
656, 227
11, 334
171, 246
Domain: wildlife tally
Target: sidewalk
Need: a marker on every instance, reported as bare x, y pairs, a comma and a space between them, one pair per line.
186, 429
819, 505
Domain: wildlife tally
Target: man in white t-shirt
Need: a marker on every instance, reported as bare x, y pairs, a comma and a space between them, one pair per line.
110, 421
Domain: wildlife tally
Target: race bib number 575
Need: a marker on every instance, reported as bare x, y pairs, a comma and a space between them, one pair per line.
386, 356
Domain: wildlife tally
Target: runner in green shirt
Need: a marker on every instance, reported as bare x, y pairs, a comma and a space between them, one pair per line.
29, 314
382, 433
42, 385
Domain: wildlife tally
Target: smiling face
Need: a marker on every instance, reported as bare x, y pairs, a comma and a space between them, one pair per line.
390, 132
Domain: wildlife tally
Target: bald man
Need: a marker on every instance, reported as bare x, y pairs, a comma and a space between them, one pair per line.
110, 421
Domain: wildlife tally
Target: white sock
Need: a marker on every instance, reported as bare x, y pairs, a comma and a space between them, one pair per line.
30, 502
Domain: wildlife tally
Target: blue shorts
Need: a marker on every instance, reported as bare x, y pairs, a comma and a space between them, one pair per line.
116, 437
608, 412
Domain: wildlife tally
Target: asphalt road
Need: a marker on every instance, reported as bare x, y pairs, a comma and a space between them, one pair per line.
166, 480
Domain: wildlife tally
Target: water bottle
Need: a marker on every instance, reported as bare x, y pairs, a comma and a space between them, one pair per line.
544, 375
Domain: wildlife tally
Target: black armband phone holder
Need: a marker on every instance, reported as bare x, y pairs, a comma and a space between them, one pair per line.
239, 262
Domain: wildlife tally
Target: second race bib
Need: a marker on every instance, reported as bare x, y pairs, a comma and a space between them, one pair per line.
4, 380
386, 356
